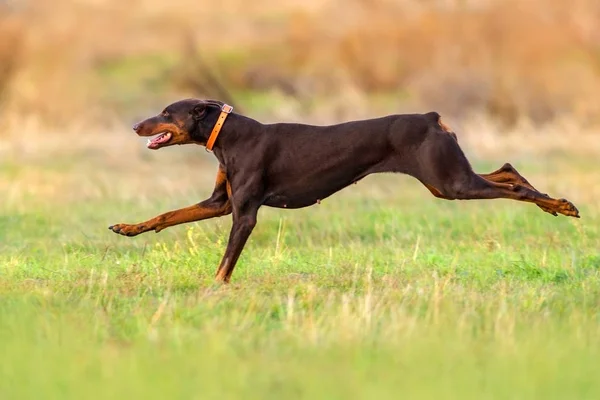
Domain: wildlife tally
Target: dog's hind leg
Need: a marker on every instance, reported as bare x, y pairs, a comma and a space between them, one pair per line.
446, 172
508, 174
480, 188
216, 206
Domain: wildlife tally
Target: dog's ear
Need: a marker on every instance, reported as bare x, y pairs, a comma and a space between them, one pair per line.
199, 111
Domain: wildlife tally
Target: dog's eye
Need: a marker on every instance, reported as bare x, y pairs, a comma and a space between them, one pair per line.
198, 113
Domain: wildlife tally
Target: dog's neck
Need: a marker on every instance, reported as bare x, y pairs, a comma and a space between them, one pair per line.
237, 135
226, 110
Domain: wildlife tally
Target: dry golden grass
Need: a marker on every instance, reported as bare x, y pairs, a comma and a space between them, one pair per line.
507, 58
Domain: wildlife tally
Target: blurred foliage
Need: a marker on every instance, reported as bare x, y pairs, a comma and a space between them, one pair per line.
11, 33
508, 59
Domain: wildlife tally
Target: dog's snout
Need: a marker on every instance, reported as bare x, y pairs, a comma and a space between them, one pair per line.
136, 127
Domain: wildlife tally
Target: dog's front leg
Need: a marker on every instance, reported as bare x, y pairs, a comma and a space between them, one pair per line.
206, 209
217, 205
240, 232
245, 201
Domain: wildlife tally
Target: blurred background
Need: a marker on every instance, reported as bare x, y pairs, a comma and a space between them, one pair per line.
68, 62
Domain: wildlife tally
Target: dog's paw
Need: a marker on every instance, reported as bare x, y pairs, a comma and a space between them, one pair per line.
565, 207
126, 229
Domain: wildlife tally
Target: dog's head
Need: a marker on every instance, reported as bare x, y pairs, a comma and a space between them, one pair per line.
185, 121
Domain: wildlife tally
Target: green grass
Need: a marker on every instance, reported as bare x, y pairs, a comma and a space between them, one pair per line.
380, 292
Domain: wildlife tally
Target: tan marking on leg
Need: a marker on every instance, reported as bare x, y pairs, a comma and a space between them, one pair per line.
508, 174
221, 177
434, 191
222, 272
188, 214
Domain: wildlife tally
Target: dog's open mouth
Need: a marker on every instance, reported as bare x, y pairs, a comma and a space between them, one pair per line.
156, 142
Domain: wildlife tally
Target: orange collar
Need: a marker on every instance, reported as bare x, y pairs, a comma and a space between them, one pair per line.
225, 111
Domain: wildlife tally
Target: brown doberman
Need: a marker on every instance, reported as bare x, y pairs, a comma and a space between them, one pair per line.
288, 165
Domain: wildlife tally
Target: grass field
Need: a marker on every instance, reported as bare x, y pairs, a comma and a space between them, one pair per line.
382, 291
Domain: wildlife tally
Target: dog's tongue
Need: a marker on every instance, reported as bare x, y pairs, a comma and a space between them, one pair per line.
162, 138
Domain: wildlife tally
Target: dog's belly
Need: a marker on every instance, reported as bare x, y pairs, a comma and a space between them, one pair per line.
299, 196
311, 180
281, 201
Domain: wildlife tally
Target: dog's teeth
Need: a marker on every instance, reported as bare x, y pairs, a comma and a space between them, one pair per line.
149, 141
